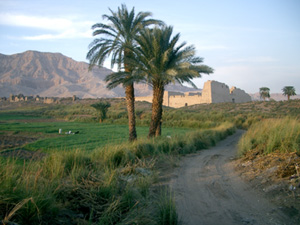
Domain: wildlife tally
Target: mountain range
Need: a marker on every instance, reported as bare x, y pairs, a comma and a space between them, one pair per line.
56, 75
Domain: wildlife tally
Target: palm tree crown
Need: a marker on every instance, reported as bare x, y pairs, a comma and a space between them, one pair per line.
289, 91
264, 92
117, 38
161, 60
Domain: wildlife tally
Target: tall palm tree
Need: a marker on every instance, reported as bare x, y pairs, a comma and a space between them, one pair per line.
289, 91
117, 38
264, 92
161, 60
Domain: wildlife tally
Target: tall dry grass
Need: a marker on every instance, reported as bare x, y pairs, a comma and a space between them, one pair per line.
271, 135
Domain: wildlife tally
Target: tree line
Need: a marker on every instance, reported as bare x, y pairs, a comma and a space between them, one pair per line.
288, 91
144, 50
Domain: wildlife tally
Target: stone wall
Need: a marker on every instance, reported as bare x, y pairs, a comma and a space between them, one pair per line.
186, 99
213, 92
219, 92
239, 95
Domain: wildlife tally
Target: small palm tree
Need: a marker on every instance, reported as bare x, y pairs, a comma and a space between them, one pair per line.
118, 39
161, 61
289, 91
264, 93
102, 108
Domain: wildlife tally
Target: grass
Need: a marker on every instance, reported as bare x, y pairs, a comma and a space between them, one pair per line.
196, 116
91, 135
110, 185
167, 209
270, 135
105, 179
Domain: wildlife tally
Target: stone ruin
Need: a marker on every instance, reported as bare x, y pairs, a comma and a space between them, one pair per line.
213, 92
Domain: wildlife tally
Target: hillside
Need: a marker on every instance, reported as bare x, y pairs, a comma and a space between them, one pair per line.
55, 75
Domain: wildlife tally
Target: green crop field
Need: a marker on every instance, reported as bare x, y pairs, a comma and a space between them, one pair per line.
89, 135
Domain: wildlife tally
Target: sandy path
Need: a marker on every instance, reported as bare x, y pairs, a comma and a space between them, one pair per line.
208, 190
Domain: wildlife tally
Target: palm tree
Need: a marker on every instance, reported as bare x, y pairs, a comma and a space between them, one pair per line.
289, 91
102, 108
160, 59
264, 93
117, 39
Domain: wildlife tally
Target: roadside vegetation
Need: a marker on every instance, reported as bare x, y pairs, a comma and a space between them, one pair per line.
272, 135
111, 184
270, 160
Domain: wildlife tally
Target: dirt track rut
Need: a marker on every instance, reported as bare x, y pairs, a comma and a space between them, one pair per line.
208, 190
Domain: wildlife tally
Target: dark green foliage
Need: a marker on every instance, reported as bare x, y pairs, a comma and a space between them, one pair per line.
289, 91
264, 92
102, 108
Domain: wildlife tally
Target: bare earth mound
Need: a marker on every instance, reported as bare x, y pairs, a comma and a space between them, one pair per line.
209, 190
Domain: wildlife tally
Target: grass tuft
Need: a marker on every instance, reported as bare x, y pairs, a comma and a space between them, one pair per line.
167, 209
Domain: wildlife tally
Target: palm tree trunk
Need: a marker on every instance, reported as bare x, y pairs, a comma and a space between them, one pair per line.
155, 124
129, 91
158, 130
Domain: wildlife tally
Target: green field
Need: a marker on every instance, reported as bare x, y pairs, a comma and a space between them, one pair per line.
102, 178
98, 177
90, 135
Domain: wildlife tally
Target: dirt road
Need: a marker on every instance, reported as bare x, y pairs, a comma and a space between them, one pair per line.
208, 191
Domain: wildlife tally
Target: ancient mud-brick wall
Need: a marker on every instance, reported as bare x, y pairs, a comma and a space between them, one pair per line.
184, 99
216, 92
213, 92
239, 96
219, 92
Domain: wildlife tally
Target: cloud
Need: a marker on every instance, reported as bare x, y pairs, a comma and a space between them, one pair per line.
58, 28
34, 21
69, 34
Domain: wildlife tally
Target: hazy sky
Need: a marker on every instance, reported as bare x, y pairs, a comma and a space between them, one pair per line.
249, 43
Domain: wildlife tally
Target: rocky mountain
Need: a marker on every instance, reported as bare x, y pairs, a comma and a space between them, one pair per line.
55, 75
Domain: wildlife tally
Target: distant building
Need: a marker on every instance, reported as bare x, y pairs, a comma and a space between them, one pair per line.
46, 100
213, 92
16, 98
50, 100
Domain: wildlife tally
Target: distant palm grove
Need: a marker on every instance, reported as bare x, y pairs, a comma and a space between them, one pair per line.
144, 50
